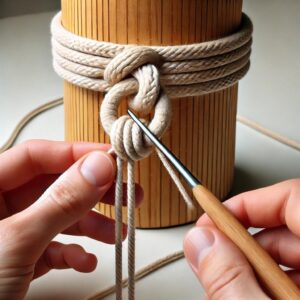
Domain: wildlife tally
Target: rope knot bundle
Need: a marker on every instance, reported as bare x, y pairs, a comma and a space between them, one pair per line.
126, 137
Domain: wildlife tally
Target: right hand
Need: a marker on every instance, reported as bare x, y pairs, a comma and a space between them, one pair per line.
222, 268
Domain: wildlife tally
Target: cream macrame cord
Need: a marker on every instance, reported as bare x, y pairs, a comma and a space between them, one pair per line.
186, 70
151, 75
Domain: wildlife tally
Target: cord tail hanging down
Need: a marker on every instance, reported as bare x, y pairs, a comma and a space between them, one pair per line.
131, 229
118, 228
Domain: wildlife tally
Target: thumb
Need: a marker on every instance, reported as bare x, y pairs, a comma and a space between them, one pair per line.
220, 266
69, 198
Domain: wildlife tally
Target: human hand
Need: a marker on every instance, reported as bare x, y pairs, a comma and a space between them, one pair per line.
30, 218
221, 267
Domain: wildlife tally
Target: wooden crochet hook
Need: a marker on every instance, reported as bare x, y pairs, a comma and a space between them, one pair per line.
274, 279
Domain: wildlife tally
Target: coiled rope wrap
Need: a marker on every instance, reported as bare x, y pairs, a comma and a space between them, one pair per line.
151, 74
186, 70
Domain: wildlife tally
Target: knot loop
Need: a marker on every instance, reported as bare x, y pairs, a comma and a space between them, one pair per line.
127, 139
129, 60
140, 62
149, 89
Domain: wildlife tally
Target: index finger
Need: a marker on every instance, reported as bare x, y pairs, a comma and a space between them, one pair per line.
267, 207
29, 159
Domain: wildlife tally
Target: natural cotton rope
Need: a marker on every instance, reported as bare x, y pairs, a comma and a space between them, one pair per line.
26, 119
168, 53
118, 228
186, 70
127, 70
131, 230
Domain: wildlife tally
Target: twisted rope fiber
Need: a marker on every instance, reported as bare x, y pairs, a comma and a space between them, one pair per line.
118, 228
200, 68
168, 53
197, 71
152, 75
167, 67
131, 231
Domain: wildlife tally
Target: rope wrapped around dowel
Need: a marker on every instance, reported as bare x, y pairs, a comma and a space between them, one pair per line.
150, 75
186, 70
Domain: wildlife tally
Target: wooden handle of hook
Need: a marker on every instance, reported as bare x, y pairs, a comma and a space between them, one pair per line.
274, 279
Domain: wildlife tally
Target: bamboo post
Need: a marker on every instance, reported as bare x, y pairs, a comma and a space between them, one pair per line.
202, 132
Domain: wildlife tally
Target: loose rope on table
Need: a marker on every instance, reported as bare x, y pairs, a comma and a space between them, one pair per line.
140, 274
26, 119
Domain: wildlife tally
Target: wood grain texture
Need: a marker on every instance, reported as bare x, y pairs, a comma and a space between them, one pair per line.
202, 132
279, 285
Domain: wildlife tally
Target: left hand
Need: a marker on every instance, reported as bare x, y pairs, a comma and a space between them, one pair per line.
32, 171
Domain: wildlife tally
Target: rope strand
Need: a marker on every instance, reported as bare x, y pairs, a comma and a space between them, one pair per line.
186, 197
168, 53
186, 70
131, 229
118, 228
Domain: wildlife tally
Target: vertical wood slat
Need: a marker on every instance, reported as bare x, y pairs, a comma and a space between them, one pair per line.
202, 131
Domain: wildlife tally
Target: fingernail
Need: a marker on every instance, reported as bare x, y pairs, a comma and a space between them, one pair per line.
198, 244
97, 169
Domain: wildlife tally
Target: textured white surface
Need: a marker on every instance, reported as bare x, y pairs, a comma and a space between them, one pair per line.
268, 95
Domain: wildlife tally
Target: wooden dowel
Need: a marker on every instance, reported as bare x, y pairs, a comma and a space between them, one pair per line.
201, 126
